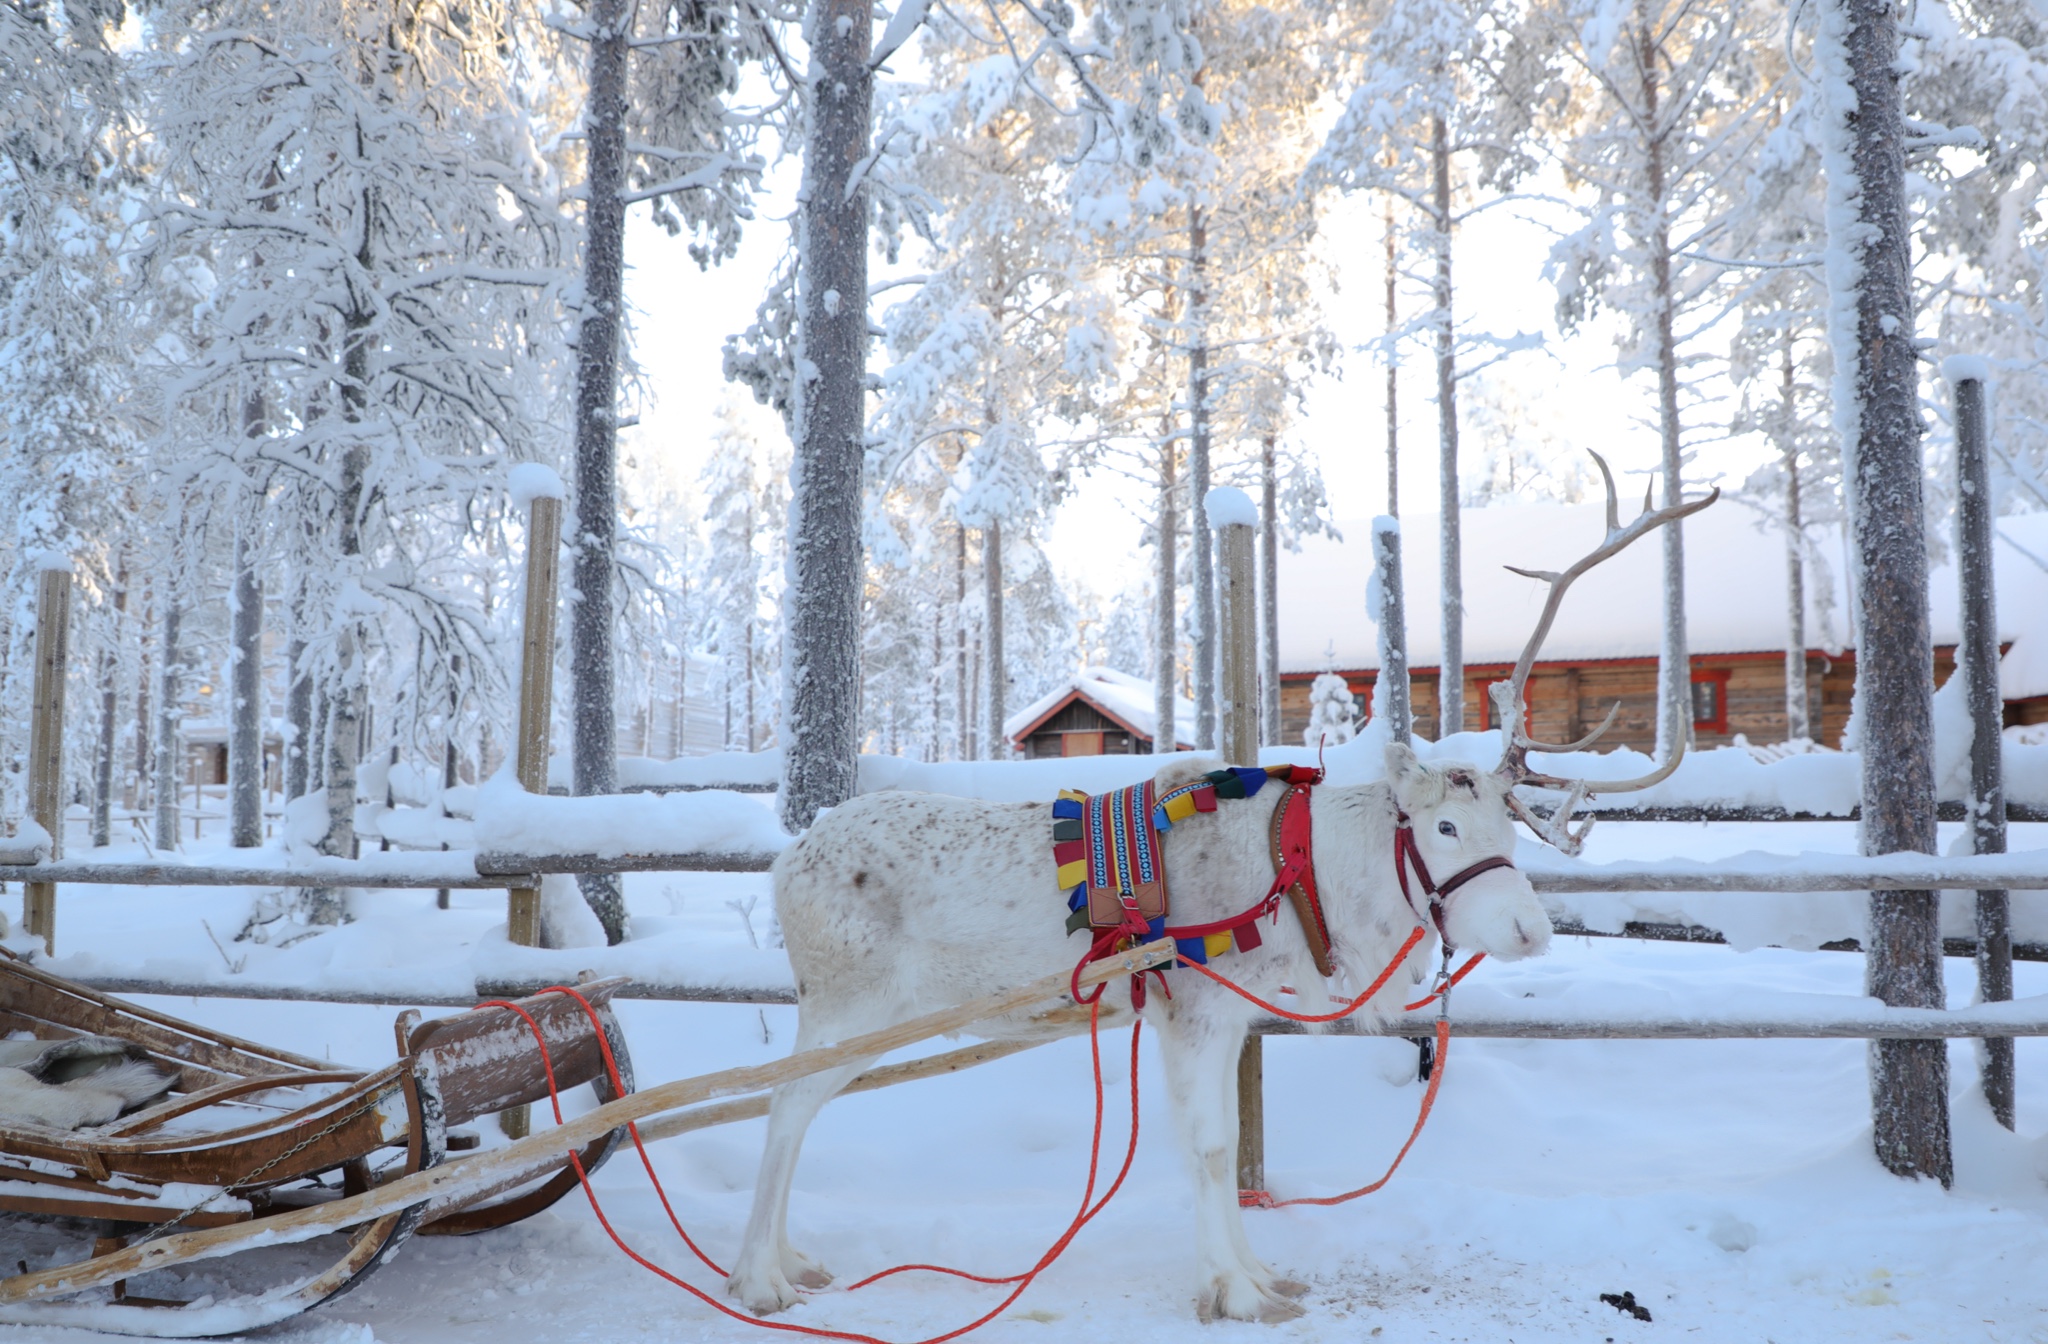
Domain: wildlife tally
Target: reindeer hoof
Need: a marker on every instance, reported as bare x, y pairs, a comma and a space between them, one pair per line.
763, 1295
1289, 1287
1237, 1297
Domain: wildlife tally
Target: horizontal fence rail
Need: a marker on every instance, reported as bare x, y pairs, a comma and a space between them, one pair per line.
340, 874
1657, 932
2014, 812
2024, 871
1855, 1019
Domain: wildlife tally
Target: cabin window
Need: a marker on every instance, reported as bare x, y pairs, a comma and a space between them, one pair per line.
1080, 744
1710, 701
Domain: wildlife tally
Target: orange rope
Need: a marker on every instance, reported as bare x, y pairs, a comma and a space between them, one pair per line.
1276, 1010
1022, 1281
1259, 1199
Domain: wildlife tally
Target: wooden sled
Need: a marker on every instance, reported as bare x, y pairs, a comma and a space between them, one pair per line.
282, 1133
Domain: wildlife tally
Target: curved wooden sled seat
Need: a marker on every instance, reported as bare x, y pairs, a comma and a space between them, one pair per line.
249, 1131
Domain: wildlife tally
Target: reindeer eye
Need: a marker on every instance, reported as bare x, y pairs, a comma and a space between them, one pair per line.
1445, 828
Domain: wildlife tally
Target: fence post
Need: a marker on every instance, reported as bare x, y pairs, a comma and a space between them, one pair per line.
1231, 513
536, 685
46, 735
1977, 664
536, 711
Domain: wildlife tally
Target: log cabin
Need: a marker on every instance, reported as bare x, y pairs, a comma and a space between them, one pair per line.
1603, 649
1098, 712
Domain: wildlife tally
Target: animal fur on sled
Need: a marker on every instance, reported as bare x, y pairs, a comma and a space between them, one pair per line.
87, 1080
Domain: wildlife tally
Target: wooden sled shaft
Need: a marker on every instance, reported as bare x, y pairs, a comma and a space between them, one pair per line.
450, 1185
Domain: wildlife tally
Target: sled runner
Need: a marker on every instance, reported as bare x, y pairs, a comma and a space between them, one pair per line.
249, 1132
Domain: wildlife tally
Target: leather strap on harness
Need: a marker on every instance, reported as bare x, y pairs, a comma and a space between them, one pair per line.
1294, 866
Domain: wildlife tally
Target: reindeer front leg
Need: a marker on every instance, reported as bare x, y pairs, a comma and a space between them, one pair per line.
1200, 1058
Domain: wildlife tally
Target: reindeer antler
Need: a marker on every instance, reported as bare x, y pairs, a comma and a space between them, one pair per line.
1507, 696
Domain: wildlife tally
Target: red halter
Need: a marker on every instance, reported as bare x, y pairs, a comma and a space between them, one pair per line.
1407, 854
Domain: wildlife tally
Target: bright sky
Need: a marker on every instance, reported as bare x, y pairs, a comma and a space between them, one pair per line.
1568, 391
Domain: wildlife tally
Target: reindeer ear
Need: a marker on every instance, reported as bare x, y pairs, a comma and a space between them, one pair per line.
1401, 762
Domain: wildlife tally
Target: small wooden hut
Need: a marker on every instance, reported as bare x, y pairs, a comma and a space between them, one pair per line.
1099, 712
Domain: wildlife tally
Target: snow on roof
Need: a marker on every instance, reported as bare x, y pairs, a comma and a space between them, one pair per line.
1735, 591
1120, 695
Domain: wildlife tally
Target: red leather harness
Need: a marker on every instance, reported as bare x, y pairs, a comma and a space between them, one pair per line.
1294, 874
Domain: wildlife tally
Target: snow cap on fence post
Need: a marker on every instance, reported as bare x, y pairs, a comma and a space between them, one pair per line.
529, 481
1228, 506
1966, 369
51, 560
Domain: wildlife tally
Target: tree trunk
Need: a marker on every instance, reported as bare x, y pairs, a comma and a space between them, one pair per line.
1797, 723
298, 701
245, 725
997, 665
316, 755
1674, 666
1201, 543
964, 746
110, 710
1876, 406
347, 694
1269, 594
822, 625
144, 737
1166, 601
1977, 664
594, 736
1450, 715
168, 710
1390, 689
1393, 376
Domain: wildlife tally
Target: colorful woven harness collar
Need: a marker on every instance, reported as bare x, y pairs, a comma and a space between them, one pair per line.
1109, 862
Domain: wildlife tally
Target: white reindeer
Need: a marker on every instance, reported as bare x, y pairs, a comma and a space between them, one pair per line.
899, 904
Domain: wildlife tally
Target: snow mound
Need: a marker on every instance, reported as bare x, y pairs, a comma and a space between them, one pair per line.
511, 820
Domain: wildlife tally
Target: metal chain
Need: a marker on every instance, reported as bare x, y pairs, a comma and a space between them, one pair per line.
164, 1229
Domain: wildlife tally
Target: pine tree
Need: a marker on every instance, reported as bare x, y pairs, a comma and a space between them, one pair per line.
1857, 56
1332, 711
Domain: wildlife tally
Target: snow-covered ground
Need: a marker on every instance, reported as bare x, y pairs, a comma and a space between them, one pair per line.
1728, 1185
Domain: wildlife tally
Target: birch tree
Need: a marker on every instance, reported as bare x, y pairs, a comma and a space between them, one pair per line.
1437, 104
1661, 102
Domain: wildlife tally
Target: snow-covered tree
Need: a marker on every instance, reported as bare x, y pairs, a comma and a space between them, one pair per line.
1659, 104
1864, 144
1332, 711
359, 202
667, 136
1438, 95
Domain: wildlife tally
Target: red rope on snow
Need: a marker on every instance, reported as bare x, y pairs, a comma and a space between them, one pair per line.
1089, 1207
1082, 1217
